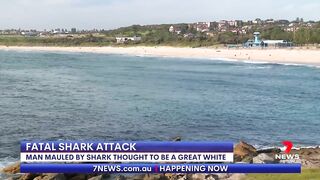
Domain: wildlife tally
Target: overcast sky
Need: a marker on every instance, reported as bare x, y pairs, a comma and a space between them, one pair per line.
109, 14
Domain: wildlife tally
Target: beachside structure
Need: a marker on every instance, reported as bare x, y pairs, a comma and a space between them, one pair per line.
257, 42
128, 39
277, 43
29, 33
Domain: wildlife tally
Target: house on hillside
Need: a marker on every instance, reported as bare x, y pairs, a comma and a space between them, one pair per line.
203, 26
174, 29
223, 25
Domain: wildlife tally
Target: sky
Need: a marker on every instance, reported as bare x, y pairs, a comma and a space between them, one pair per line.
110, 14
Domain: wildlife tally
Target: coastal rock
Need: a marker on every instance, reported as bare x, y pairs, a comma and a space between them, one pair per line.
202, 177
79, 177
176, 177
236, 177
181, 177
223, 176
28, 176
197, 176
120, 177
152, 177
98, 177
310, 164
230, 176
12, 169
10, 177
263, 158
51, 176
133, 177
212, 177
309, 157
38, 178
139, 177
171, 176
178, 138
243, 150
247, 159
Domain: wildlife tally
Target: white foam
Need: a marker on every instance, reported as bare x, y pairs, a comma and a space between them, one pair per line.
278, 63
4, 162
282, 148
228, 60
166, 56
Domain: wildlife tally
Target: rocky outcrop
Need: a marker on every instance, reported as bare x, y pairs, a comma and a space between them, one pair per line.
309, 157
263, 158
51, 176
244, 149
244, 152
101, 177
178, 138
28, 176
12, 169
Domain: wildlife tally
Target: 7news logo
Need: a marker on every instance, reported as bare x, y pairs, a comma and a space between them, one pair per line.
286, 154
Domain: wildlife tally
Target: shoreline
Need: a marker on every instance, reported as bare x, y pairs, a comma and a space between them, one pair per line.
292, 56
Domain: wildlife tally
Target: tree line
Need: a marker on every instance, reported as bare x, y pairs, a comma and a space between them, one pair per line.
160, 35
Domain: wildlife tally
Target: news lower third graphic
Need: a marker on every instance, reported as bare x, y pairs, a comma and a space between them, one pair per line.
138, 157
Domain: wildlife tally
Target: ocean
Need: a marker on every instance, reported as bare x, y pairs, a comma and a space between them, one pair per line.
87, 96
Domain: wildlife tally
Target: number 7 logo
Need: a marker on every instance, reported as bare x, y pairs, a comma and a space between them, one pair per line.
289, 146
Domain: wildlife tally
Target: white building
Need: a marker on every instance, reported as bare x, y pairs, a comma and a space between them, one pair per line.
127, 39
171, 29
277, 43
274, 42
29, 33
233, 23
176, 30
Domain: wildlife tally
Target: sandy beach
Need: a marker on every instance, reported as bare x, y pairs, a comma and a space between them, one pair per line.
282, 56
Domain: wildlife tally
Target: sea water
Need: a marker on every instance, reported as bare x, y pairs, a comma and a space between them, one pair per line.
84, 96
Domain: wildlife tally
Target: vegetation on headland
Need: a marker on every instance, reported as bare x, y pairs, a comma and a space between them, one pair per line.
87, 40
182, 35
159, 35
